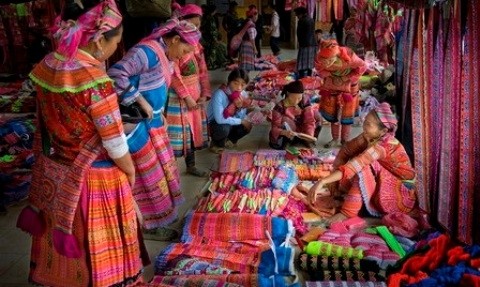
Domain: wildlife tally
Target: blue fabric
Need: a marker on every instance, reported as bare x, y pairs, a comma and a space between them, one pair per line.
217, 105
447, 276
140, 136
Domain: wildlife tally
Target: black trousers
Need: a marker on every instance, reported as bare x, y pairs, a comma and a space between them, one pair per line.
220, 133
275, 45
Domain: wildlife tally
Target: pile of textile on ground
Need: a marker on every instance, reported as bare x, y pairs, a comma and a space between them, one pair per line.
17, 126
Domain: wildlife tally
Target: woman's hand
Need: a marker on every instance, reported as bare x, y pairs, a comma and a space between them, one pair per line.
191, 104
288, 134
317, 188
146, 107
201, 101
131, 179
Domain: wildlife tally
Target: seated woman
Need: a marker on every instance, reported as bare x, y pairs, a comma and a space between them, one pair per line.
373, 169
291, 116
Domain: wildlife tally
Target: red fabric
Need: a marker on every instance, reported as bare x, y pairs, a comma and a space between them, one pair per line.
456, 255
416, 267
470, 280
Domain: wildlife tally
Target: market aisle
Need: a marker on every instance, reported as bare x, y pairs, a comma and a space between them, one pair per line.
15, 245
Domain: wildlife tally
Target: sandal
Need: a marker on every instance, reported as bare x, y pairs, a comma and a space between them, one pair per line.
196, 172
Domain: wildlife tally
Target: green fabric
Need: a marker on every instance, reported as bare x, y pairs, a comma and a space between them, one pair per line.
391, 240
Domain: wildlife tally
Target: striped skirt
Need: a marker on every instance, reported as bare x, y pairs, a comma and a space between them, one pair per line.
306, 58
379, 190
247, 56
106, 224
187, 129
341, 107
157, 186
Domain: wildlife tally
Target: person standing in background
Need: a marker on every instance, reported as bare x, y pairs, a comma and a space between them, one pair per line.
259, 27
230, 24
189, 91
306, 42
274, 29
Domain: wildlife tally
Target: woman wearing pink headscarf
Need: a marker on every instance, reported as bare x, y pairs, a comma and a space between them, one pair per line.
82, 214
248, 49
185, 112
373, 170
142, 78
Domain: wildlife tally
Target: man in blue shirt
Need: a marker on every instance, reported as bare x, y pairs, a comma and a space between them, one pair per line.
230, 128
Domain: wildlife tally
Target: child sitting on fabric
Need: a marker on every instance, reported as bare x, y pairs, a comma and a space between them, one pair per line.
373, 170
291, 117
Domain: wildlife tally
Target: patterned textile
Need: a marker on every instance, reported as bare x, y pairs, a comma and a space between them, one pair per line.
90, 26
235, 227
359, 276
345, 284
76, 103
187, 129
243, 261
383, 168
244, 280
386, 116
185, 29
157, 186
255, 178
262, 201
232, 161
444, 153
306, 58
246, 56
186, 265
268, 157
341, 107
117, 264
311, 263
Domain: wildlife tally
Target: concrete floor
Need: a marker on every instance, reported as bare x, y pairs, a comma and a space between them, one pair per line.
15, 244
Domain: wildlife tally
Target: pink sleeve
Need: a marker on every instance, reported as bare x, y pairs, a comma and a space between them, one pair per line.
355, 165
308, 121
203, 73
276, 125
177, 84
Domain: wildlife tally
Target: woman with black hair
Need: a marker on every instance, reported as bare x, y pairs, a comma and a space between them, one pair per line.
82, 214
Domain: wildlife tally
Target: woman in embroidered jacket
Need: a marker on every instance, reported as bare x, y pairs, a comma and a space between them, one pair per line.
291, 112
143, 76
185, 111
340, 69
248, 49
81, 197
373, 169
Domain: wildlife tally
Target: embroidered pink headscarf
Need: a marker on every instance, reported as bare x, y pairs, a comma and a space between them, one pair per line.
186, 30
88, 27
187, 10
386, 116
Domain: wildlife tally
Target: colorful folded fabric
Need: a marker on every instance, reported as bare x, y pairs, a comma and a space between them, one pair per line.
329, 249
344, 284
244, 280
233, 161
231, 227
312, 264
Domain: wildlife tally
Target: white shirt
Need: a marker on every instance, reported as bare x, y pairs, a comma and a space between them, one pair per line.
275, 25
